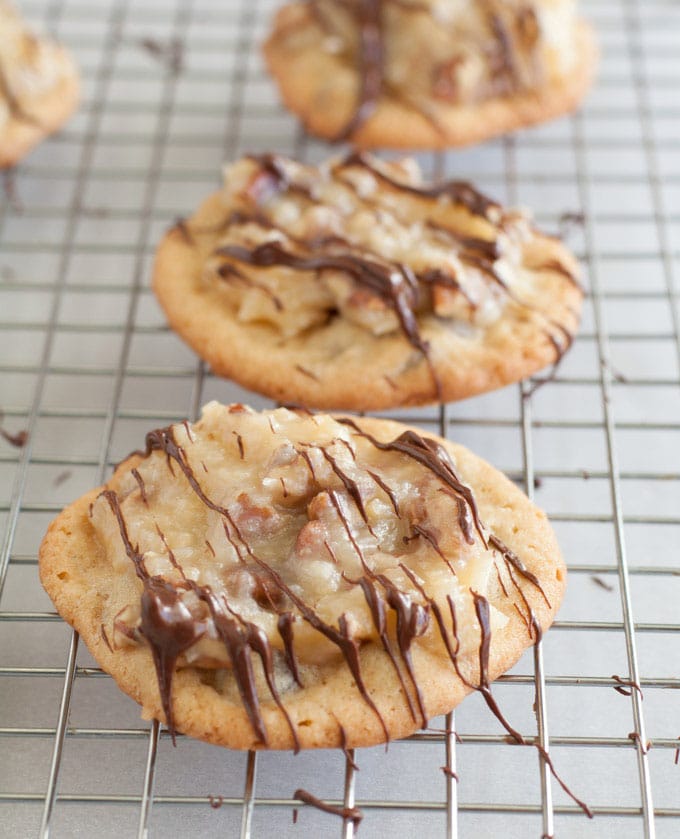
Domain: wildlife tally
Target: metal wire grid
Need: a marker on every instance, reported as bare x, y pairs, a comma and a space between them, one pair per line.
87, 365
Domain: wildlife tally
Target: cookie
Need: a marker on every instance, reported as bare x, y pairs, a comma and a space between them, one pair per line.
354, 286
288, 580
39, 87
427, 73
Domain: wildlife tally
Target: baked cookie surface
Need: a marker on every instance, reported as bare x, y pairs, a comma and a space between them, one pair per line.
290, 580
352, 285
428, 73
39, 87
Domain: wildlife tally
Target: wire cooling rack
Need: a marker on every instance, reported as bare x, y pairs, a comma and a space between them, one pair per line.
87, 365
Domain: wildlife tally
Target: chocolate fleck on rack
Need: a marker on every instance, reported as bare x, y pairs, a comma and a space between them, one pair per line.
87, 367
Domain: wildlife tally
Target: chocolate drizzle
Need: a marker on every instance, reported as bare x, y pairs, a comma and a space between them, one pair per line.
484, 687
395, 287
285, 628
166, 622
168, 53
370, 68
352, 814
242, 638
459, 192
171, 626
170, 629
430, 454
345, 748
512, 560
376, 605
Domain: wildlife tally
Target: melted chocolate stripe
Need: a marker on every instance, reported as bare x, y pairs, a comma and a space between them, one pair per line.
506, 52
105, 637
465, 520
559, 268
182, 227
350, 485
432, 456
376, 605
483, 618
384, 281
441, 626
387, 490
17, 440
460, 192
335, 501
171, 554
412, 622
429, 537
166, 621
285, 628
345, 749
511, 559
163, 440
140, 483
370, 70
237, 644
482, 610
489, 248
340, 637
272, 165
529, 617
132, 552
241, 638
226, 272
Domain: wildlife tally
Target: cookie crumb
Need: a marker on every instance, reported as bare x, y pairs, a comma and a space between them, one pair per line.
62, 477
17, 440
601, 583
